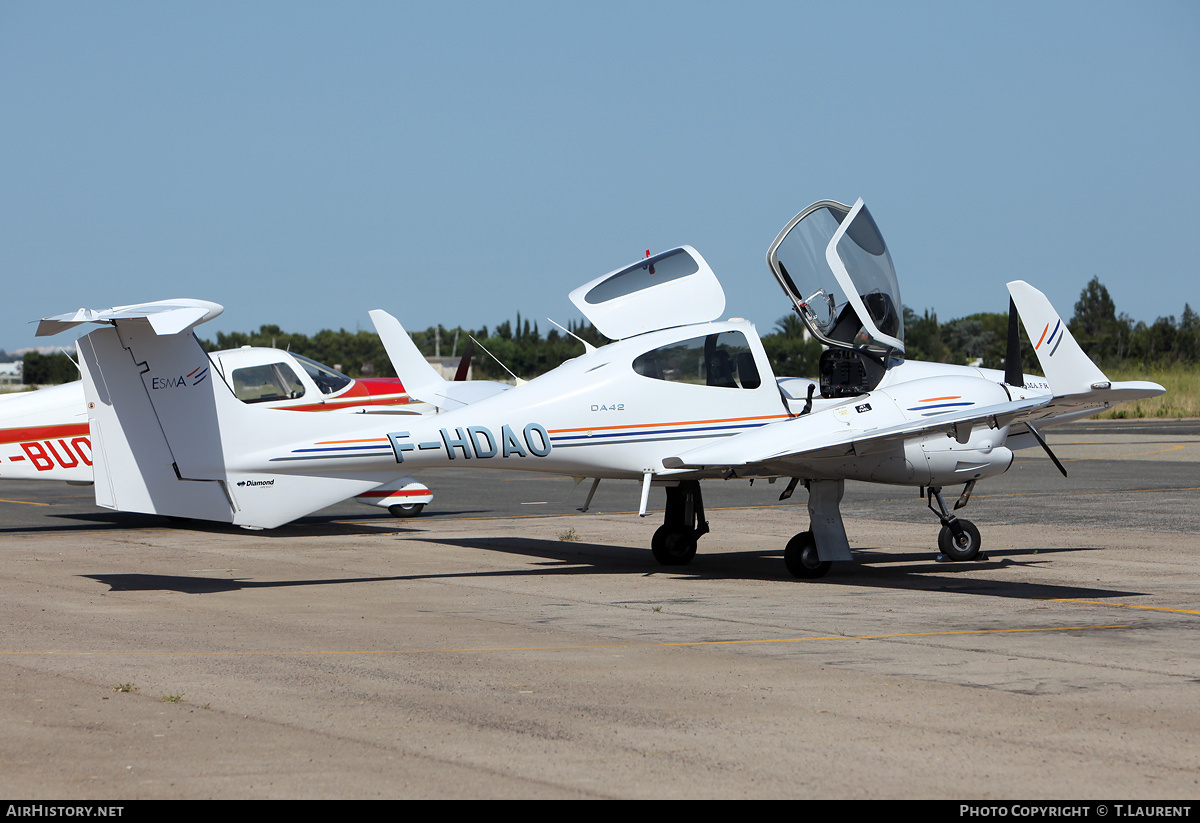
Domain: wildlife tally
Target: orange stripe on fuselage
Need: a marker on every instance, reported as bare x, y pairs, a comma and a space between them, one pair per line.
677, 423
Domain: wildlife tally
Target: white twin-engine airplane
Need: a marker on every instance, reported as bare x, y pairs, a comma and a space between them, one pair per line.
680, 397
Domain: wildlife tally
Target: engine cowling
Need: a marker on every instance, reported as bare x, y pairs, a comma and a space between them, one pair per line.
944, 459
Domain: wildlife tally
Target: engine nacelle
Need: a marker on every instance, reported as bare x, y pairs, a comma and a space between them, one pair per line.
968, 452
948, 466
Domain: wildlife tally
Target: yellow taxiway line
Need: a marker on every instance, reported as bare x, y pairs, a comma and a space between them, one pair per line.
569, 648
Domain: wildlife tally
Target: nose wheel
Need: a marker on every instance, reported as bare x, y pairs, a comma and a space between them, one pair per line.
962, 546
959, 539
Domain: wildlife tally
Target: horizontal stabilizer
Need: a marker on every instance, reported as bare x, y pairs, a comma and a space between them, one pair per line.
163, 316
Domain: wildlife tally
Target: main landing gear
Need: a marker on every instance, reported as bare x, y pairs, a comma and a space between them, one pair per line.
801, 557
809, 554
958, 539
674, 544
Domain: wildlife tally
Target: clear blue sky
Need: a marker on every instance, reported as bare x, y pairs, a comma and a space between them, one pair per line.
302, 163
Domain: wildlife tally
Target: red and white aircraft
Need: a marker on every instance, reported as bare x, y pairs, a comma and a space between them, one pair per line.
44, 434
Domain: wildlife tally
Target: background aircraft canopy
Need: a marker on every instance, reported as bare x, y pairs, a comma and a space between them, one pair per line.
675, 288
835, 267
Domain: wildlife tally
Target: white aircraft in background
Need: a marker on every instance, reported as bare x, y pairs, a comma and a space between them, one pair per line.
680, 397
44, 434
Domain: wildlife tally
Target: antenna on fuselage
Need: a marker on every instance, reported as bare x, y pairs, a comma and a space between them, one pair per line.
76, 365
520, 382
588, 348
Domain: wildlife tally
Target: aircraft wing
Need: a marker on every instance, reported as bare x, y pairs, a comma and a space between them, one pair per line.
801, 441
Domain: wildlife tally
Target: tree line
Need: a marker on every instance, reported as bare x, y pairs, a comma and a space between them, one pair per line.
1110, 338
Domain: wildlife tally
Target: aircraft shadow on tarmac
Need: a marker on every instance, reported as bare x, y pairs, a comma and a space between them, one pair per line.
875, 570
314, 526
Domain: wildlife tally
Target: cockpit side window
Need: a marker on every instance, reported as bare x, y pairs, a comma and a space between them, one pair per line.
263, 384
327, 380
722, 360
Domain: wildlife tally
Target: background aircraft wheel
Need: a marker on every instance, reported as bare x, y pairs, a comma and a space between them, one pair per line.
406, 509
673, 547
964, 548
801, 557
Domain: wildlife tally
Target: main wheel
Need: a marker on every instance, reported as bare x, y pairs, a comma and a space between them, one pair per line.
962, 548
802, 559
405, 509
673, 546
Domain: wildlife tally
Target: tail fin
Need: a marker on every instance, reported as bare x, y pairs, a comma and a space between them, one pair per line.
1079, 386
169, 437
1067, 368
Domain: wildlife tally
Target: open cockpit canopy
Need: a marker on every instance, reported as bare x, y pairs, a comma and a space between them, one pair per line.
675, 288
833, 264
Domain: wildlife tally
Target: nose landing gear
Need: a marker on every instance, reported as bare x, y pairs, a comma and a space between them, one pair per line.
959, 539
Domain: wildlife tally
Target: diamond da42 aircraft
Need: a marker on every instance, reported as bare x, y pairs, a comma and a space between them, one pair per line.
679, 398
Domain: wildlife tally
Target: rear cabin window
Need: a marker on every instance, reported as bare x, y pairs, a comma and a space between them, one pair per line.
653, 271
723, 360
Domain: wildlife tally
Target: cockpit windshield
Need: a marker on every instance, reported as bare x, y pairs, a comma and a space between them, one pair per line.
327, 380
833, 263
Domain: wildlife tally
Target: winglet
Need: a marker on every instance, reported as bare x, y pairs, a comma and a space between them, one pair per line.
1067, 367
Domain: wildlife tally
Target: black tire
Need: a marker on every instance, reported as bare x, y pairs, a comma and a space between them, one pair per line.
801, 557
672, 546
966, 548
405, 509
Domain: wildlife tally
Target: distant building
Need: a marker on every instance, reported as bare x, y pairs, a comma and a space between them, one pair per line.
11, 374
447, 367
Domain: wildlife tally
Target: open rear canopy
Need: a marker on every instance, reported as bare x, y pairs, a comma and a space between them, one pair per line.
675, 288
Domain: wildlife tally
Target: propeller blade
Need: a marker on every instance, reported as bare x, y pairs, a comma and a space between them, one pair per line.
465, 363
1042, 442
1014, 374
